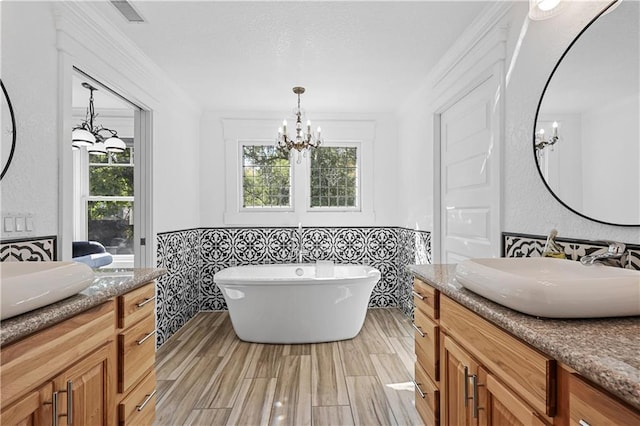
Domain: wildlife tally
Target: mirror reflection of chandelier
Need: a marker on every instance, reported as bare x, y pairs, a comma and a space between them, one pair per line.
302, 140
542, 142
97, 139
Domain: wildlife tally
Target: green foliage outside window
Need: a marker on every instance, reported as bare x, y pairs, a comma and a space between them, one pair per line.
110, 180
266, 177
110, 220
334, 177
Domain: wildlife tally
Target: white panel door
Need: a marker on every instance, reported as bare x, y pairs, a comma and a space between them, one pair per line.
470, 171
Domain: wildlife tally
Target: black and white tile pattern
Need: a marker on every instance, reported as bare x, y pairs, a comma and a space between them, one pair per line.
39, 249
178, 292
192, 258
414, 248
245, 246
523, 245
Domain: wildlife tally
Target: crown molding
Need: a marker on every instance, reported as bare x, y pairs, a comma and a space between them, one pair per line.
485, 26
85, 33
477, 40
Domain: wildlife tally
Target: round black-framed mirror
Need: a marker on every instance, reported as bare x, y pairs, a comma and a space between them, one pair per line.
9, 133
588, 153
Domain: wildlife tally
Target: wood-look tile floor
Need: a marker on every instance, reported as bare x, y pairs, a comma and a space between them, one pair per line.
207, 376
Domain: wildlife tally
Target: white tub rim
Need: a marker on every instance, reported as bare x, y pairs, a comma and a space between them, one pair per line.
224, 277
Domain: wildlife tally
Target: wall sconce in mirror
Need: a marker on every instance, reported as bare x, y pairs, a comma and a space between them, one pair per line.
594, 95
543, 9
98, 139
8, 136
541, 141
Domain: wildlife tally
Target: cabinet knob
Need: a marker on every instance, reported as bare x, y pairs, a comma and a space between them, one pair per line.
418, 295
583, 423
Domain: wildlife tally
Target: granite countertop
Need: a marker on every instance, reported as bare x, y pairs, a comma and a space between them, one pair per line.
605, 351
107, 284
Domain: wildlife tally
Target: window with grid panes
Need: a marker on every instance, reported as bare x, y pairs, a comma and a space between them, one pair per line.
110, 201
266, 177
334, 177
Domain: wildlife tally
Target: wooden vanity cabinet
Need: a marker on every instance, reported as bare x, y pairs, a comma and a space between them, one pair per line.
473, 396
485, 376
88, 382
589, 406
75, 357
526, 373
136, 356
458, 368
427, 349
34, 408
82, 357
490, 377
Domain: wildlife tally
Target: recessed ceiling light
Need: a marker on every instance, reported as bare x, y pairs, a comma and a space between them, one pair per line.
127, 11
543, 9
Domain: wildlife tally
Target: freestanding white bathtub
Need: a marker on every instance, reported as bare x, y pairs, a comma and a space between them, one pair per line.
297, 303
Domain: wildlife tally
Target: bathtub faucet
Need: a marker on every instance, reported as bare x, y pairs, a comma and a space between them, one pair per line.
300, 250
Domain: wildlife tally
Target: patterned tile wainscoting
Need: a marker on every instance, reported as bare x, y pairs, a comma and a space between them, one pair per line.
37, 249
178, 291
524, 245
192, 257
414, 248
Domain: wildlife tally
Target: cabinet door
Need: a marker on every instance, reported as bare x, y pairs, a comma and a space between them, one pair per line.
590, 406
500, 406
88, 384
33, 409
456, 381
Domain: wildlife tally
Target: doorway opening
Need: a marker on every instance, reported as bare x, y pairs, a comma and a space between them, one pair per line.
108, 187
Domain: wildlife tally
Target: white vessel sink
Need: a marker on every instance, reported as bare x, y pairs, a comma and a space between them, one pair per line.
553, 288
30, 285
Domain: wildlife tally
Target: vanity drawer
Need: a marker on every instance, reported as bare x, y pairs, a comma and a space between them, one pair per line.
531, 374
426, 344
592, 407
136, 305
139, 407
426, 298
136, 353
427, 397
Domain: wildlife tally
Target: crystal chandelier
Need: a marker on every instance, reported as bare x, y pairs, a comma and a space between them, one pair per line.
97, 139
302, 140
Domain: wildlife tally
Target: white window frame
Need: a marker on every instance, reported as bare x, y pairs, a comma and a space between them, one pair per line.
358, 206
241, 144
238, 132
82, 197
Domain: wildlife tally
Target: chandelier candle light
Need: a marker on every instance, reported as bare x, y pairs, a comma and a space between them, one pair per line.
542, 143
303, 140
89, 135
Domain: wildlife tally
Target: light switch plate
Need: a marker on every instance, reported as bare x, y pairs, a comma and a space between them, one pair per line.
9, 223
20, 224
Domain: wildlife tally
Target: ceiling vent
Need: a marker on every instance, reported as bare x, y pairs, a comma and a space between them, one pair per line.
127, 11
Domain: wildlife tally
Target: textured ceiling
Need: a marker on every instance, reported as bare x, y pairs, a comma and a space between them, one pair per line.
356, 56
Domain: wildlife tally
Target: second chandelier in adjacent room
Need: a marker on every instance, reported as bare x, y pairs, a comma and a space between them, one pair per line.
97, 139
